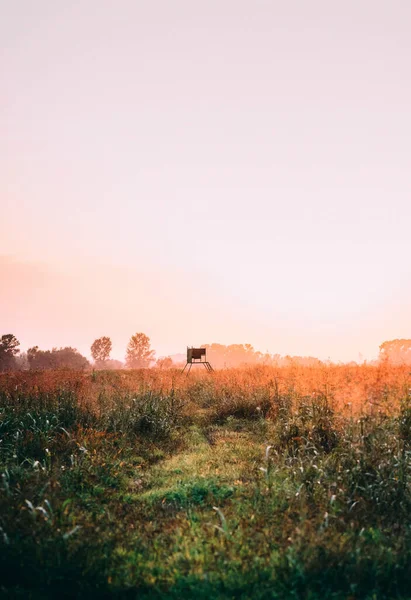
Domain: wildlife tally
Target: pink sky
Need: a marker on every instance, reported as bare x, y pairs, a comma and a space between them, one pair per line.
254, 155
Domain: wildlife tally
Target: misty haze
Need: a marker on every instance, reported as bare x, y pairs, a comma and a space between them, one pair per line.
205, 327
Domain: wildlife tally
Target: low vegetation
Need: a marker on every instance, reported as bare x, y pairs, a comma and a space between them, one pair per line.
289, 482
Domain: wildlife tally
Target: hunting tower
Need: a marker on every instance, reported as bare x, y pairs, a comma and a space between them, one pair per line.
197, 356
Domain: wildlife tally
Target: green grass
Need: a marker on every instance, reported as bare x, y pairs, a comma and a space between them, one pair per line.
146, 500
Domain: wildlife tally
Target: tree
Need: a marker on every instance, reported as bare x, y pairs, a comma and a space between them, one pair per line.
62, 358
9, 348
234, 355
396, 351
100, 351
166, 362
70, 358
138, 354
22, 364
41, 359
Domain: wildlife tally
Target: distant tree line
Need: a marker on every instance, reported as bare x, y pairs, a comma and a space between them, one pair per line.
140, 355
57, 358
397, 352
237, 355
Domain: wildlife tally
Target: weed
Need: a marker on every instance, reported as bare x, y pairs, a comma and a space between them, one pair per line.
264, 483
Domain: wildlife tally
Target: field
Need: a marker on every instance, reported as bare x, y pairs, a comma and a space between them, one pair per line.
254, 483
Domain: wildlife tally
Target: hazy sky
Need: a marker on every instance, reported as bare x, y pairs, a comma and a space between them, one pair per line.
219, 171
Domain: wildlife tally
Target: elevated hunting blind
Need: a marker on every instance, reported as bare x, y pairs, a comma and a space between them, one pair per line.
197, 356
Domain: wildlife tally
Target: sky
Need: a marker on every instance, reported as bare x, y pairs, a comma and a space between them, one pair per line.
231, 171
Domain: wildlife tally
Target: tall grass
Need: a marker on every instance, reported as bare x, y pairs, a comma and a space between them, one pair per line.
263, 483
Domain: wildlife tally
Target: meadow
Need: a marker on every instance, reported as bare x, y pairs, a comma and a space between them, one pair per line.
262, 482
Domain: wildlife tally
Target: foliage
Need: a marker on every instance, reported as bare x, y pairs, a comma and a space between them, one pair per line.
9, 348
164, 363
100, 351
396, 351
150, 414
139, 354
62, 358
237, 355
150, 484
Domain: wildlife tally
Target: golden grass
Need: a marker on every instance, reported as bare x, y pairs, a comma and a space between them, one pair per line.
349, 389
